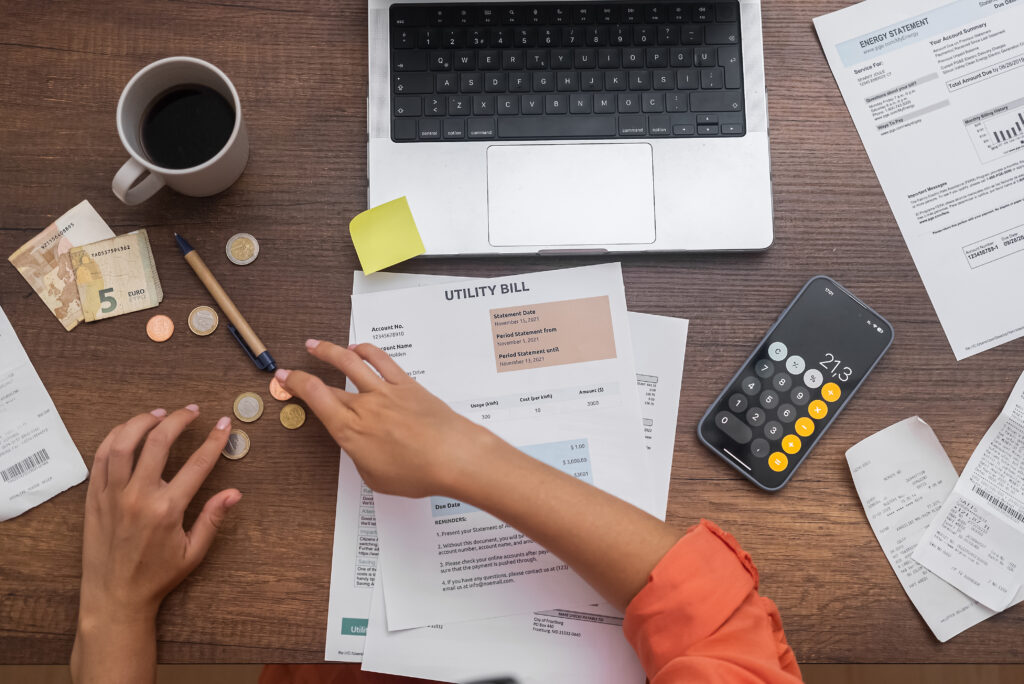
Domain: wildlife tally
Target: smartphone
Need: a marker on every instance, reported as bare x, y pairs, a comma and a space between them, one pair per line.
791, 389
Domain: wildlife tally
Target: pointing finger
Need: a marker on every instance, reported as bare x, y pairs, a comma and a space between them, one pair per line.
385, 365
195, 471
158, 445
123, 446
348, 362
328, 403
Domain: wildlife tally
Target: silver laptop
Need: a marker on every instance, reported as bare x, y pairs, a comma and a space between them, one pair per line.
571, 127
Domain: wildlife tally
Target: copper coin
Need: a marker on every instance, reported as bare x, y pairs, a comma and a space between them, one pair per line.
278, 392
160, 328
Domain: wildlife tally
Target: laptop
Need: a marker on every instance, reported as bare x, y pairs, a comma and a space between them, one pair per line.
571, 127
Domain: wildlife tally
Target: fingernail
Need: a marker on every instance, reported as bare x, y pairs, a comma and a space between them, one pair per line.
312, 344
282, 375
194, 408
232, 499
224, 423
159, 413
352, 347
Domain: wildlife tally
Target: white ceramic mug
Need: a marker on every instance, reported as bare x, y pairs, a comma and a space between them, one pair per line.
139, 178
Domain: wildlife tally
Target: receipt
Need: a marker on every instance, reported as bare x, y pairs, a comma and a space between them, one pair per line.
903, 476
976, 542
38, 460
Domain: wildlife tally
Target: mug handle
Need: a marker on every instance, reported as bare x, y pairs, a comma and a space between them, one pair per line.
129, 173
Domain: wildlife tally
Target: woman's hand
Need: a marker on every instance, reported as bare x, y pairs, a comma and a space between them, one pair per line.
402, 438
135, 549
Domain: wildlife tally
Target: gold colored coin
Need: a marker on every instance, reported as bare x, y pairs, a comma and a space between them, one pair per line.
203, 320
160, 328
278, 392
293, 416
248, 407
242, 249
238, 445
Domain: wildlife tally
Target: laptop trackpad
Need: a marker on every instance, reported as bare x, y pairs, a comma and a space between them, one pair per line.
567, 195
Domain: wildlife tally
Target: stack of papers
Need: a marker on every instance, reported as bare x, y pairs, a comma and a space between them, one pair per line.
553, 363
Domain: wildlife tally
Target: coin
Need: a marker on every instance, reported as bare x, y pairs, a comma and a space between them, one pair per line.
203, 320
293, 416
242, 249
278, 392
238, 445
160, 328
248, 407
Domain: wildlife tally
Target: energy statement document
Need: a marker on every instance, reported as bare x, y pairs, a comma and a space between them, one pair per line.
545, 361
659, 345
903, 476
38, 459
976, 541
936, 91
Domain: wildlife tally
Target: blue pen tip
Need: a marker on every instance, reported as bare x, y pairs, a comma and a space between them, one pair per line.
183, 244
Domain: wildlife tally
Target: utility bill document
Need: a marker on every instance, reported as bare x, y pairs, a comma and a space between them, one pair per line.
936, 90
545, 361
38, 460
976, 541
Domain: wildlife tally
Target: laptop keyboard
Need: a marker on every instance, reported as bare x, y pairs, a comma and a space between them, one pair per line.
546, 71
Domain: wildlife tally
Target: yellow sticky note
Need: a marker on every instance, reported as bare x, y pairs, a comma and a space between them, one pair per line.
385, 236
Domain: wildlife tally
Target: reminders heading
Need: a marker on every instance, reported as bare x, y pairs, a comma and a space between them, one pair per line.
893, 33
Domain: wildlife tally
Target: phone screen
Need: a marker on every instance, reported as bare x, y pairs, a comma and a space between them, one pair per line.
795, 383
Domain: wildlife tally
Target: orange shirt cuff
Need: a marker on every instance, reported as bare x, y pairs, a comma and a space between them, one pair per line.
692, 591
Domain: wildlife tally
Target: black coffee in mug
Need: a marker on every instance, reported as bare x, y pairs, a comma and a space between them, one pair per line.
186, 126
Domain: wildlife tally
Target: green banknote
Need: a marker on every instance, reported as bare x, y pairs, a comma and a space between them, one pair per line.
116, 276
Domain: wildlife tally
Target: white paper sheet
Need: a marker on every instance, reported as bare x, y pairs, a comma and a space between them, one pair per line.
659, 348
545, 361
936, 90
38, 459
976, 542
558, 645
903, 475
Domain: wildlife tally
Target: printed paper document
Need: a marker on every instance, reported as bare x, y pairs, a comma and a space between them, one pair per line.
976, 542
903, 475
545, 361
936, 90
38, 460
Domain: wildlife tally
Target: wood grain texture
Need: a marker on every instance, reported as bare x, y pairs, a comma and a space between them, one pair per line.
299, 67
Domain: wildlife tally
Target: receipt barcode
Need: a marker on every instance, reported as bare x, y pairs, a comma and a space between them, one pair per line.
25, 466
999, 503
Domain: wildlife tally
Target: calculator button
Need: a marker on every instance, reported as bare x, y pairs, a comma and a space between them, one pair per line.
773, 430
738, 403
787, 412
818, 409
778, 461
777, 351
791, 444
750, 385
830, 392
733, 426
782, 382
800, 396
760, 448
812, 378
756, 417
769, 399
804, 427
764, 368
795, 364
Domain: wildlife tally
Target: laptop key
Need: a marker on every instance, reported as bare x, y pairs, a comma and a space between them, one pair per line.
727, 11
508, 104
723, 101
658, 125
539, 128
458, 105
409, 60
413, 83
404, 129
722, 34
629, 103
478, 127
447, 83
732, 129
531, 104
729, 59
604, 104
633, 125
430, 129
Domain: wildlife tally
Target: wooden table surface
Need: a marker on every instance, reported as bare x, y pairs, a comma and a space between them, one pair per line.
300, 68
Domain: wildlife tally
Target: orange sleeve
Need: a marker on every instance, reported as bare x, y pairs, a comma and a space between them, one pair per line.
700, 618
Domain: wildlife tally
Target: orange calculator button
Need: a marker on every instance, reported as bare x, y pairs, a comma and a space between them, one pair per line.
791, 444
804, 427
830, 392
818, 409
778, 461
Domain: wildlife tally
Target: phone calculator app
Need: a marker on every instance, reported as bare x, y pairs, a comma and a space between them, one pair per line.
797, 381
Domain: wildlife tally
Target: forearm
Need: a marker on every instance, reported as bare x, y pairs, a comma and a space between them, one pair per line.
114, 651
608, 542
